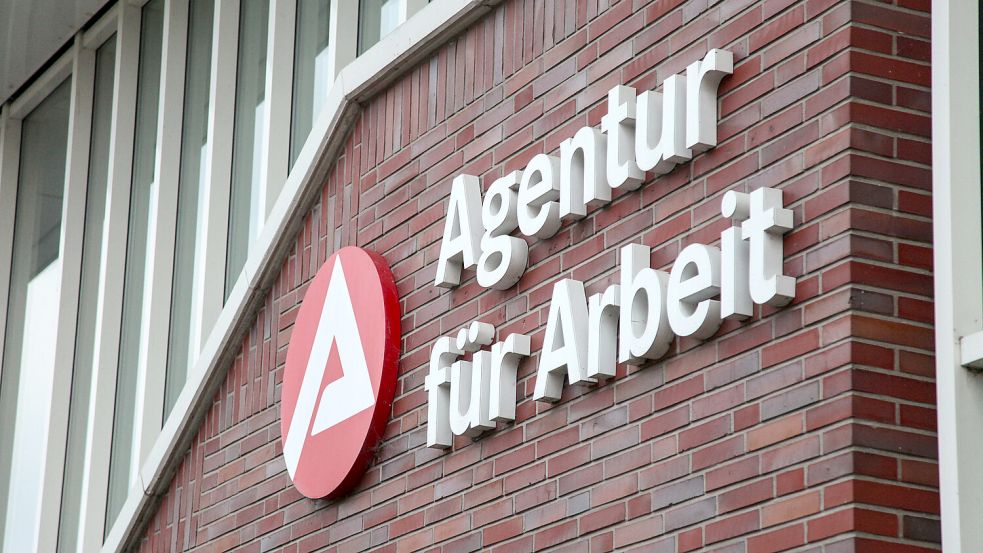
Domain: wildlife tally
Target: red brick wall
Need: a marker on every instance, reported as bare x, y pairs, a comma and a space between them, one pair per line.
809, 428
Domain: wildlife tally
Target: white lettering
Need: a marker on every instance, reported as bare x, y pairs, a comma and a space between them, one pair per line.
505, 365
539, 189
582, 179
619, 125
702, 80
565, 344
603, 311
633, 321
460, 244
735, 295
437, 385
652, 131
645, 331
503, 257
694, 279
660, 130
764, 228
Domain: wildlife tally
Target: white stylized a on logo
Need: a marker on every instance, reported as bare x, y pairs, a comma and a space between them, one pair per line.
342, 398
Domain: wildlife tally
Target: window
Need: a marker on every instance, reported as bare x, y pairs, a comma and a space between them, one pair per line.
245, 205
194, 146
376, 19
32, 311
312, 70
215, 120
85, 332
144, 151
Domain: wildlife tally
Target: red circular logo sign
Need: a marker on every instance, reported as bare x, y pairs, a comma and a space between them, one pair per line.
340, 374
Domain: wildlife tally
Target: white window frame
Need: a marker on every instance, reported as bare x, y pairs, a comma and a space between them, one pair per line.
9, 154
213, 202
162, 228
405, 10
123, 20
342, 35
279, 106
408, 8
77, 64
161, 239
958, 246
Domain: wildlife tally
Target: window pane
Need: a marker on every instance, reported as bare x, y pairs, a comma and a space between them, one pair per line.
144, 152
311, 70
376, 19
95, 214
194, 144
32, 311
245, 218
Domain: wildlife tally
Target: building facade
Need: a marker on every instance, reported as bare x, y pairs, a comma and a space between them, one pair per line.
173, 179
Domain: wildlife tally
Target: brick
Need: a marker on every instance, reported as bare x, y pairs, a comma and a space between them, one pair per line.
502, 531
704, 433
746, 495
773, 432
732, 526
525, 477
793, 399
778, 540
922, 529
790, 481
691, 513
617, 488
581, 478
637, 531
602, 518
789, 348
533, 496
789, 454
676, 492
790, 509
776, 28
774, 379
555, 535
717, 453
732, 472
663, 472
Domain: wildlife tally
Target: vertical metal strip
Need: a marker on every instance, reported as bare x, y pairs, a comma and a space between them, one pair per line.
213, 207
279, 94
72, 231
956, 222
9, 162
162, 225
343, 35
9, 169
113, 262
